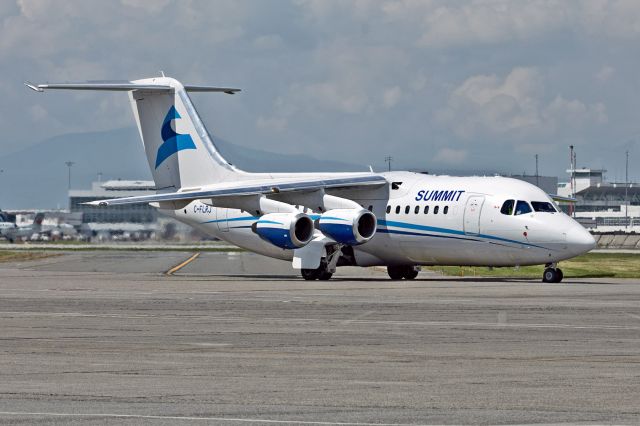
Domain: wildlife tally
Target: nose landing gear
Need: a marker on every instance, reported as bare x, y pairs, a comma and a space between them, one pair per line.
552, 274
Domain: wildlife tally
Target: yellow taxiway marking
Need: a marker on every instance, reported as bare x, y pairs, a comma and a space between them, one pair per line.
182, 265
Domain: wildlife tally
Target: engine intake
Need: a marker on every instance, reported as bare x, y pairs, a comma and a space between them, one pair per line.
348, 226
285, 230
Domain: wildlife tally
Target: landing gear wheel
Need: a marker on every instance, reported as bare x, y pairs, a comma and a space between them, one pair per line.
410, 272
552, 275
320, 273
325, 276
310, 274
395, 272
549, 275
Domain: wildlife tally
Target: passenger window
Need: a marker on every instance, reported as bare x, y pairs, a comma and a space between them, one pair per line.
522, 207
406, 210
507, 207
389, 209
426, 209
445, 210
397, 209
435, 209
417, 210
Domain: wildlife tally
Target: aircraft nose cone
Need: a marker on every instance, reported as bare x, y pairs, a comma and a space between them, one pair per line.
580, 240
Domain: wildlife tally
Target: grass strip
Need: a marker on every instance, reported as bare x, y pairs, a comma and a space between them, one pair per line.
590, 265
24, 255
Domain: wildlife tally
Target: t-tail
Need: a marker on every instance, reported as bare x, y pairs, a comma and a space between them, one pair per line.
179, 149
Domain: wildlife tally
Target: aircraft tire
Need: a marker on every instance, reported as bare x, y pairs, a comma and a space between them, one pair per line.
395, 272
325, 276
310, 274
410, 273
552, 275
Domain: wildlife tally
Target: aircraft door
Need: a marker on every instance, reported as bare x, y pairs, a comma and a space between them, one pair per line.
472, 212
221, 219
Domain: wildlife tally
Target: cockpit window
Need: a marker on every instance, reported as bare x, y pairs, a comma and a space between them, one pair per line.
543, 206
507, 207
522, 207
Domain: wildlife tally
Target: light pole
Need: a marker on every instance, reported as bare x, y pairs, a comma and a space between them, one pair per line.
69, 164
626, 190
572, 182
537, 176
388, 159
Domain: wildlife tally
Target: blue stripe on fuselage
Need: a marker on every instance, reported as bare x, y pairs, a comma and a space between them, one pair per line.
406, 225
232, 219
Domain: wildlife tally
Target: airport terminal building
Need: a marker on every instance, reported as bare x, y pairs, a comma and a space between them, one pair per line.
603, 206
134, 213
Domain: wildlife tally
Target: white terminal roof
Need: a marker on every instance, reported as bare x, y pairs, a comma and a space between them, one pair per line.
125, 185
586, 170
116, 189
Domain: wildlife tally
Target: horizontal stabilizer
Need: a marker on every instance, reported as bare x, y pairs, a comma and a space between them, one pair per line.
266, 186
124, 86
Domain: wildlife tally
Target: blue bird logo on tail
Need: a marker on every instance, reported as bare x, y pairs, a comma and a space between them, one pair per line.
173, 142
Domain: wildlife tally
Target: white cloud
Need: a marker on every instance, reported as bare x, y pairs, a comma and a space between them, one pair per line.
392, 96
148, 6
450, 156
573, 113
445, 24
267, 42
335, 96
340, 75
605, 73
38, 113
489, 22
418, 82
485, 105
272, 123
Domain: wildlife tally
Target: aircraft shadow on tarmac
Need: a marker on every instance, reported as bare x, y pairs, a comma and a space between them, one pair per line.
449, 279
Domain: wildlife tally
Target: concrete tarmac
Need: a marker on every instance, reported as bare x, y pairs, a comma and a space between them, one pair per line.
107, 338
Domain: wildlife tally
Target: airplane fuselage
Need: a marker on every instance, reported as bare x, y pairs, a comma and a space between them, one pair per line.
430, 220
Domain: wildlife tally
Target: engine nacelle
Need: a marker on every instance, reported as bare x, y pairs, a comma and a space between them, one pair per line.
285, 230
348, 226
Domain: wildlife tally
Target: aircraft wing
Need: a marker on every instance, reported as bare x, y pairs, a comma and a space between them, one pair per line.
254, 187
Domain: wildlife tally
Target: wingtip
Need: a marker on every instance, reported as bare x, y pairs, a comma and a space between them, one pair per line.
33, 87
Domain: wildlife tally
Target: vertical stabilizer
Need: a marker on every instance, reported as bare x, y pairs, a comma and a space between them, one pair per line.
179, 150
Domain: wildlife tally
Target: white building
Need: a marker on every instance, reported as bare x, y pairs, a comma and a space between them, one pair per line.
603, 206
136, 213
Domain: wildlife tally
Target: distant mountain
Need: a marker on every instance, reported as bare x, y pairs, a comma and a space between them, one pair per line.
36, 177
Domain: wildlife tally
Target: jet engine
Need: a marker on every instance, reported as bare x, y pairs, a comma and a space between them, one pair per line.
285, 230
348, 226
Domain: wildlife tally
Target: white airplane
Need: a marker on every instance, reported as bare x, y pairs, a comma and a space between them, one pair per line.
12, 231
319, 221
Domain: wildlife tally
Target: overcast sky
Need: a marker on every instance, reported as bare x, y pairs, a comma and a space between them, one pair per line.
440, 85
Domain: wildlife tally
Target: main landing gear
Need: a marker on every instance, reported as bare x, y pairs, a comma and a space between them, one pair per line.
327, 266
552, 274
408, 272
320, 273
